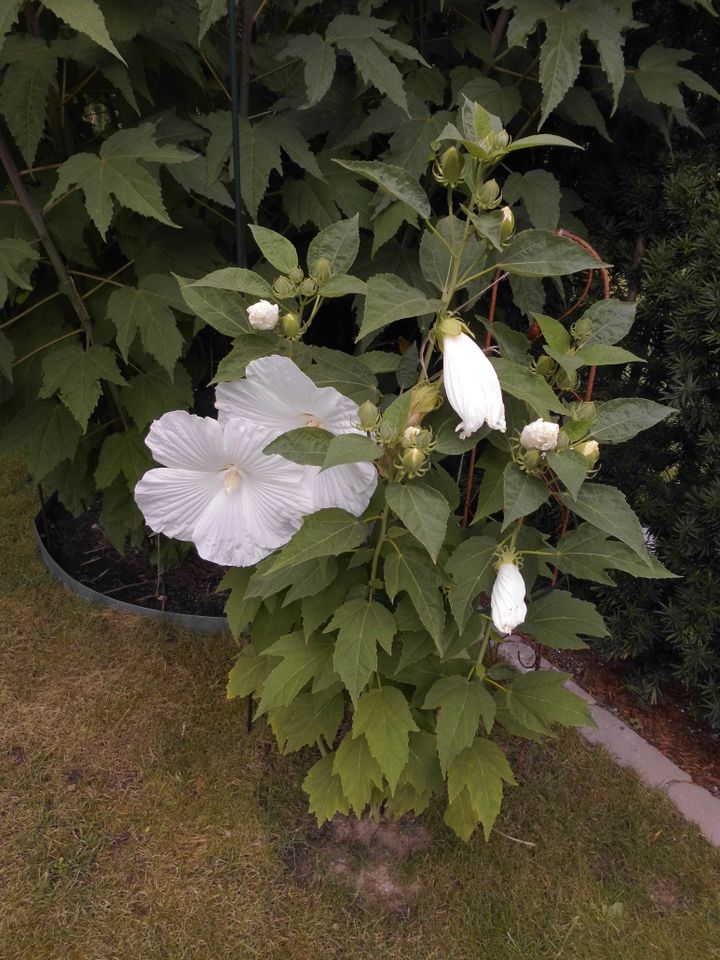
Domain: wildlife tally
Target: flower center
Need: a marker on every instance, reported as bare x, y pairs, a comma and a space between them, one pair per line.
233, 477
311, 420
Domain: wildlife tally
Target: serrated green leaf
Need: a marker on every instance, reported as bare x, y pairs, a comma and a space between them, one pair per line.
148, 310
358, 770
540, 253
122, 454
462, 703
248, 347
384, 717
361, 625
472, 572
317, 610
601, 355
558, 619
240, 608
424, 511
375, 67
9, 10
47, 433
580, 107
210, 12
248, 673
342, 285
152, 393
412, 570
570, 466
490, 496
436, 259
479, 771
338, 244
86, 17
522, 494
394, 180
323, 534
75, 375
308, 718
302, 661
220, 309
611, 320
541, 140
350, 448
319, 58
347, 374
460, 816
541, 694
276, 249
324, 790
540, 192
622, 419
554, 332
608, 510
526, 385
237, 280
307, 445
24, 96
259, 156
389, 298
659, 75
17, 261
587, 553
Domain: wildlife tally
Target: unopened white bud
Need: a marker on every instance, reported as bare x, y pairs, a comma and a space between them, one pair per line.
263, 315
540, 435
507, 602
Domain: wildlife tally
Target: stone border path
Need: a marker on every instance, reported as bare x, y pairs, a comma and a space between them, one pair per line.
628, 749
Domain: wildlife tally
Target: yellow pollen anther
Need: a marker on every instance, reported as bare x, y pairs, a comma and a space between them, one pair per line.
311, 420
232, 479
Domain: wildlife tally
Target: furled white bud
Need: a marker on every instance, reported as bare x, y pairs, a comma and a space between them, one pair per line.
471, 385
507, 602
591, 451
263, 315
540, 435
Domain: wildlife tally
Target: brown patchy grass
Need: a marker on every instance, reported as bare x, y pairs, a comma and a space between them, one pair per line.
139, 821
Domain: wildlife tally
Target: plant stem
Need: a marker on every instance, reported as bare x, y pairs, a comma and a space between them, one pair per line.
50, 343
378, 548
19, 316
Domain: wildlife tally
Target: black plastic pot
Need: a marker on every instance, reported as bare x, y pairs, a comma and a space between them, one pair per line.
188, 620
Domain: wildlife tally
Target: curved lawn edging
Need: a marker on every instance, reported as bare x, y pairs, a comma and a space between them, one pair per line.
629, 750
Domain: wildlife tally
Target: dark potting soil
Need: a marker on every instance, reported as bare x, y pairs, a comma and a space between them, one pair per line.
80, 547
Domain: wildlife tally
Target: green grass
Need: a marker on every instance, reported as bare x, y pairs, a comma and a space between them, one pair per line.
140, 821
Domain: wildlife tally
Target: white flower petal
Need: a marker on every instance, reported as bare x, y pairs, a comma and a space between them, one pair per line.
263, 315
540, 435
471, 384
172, 499
348, 486
507, 601
180, 439
277, 395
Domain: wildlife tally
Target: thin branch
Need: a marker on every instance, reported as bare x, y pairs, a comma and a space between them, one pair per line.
50, 343
19, 316
79, 86
216, 77
101, 280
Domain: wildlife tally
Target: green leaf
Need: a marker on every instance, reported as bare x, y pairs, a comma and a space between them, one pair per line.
436, 258
540, 253
587, 553
559, 58
246, 348
148, 310
118, 172
247, 674
9, 10
420, 779
600, 355
23, 99
342, 285
75, 375
478, 773
210, 12
570, 466
384, 717
472, 572
394, 180
526, 385
86, 17
580, 107
522, 493
460, 816
319, 58
541, 140
259, 156
558, 619
237, 280
540, 192
659, 75
611, 320
358, 770
607, 509
411, 570
7, 356
350, 448
326, 533
304, 445
347, 374
122, 453
152, 393
462, 703
554, 332
379, 361
302, 661
240, 608
309, 717
338, 244
220, 309
276, 249
490, 496
17, 262
361, 625
424, 511
375, 67
47, 433
317, 610
620, 420
324, 789
388, 299
541, 694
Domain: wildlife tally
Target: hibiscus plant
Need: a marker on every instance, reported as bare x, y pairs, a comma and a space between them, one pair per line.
370, 613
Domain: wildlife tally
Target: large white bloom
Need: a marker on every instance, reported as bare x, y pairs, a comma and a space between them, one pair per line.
263, 315
507, 601
471, 385
218, 489
540, 435
277, 396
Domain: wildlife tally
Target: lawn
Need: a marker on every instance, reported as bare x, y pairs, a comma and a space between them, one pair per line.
140, 820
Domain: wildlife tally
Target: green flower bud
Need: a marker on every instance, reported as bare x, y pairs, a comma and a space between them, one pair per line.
582, 329
413, 462
425, 399
451, 164
321, 270
591, 451
531, 459
567, 381
308, 288
387, 433
546, 367
296, 275
489, 195
289, 325
368, 416
283, 288
448, 326
584, 411
507, 227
